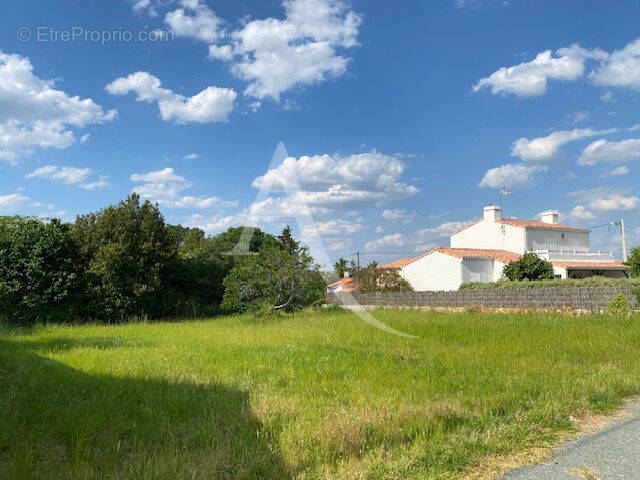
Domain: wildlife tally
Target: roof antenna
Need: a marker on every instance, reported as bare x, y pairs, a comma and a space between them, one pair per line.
504, 193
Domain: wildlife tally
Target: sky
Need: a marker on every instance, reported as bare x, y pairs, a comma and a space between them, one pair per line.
400, 120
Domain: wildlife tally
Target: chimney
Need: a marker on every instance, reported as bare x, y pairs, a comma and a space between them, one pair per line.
346, 274
492, 213
550, 216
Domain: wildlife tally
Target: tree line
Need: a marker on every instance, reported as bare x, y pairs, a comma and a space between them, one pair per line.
125, 262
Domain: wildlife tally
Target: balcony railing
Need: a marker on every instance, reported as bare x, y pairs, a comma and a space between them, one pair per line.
574, 255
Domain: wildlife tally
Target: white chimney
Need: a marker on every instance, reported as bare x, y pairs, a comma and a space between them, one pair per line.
346, 274
492, 213
550, 216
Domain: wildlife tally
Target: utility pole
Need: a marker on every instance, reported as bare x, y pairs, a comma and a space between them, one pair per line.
358, 260
624, 241
623, 237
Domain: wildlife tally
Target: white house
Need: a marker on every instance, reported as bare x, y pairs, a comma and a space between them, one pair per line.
479, 252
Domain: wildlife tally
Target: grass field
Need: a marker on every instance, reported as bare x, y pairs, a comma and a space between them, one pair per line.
316, 395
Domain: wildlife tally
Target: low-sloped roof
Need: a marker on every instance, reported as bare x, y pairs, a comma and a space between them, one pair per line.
515, 222
593, 265
346, 282
503, 256
398, 263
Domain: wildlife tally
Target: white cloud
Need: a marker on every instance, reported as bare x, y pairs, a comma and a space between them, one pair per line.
607, 97
579, 117
614, 202
34, 114
274, 55
531, 78
68, 175
336, 245
579, 212
336, 227
9, 203
621, 68
216, 223
398, 215
144, 5
379, 229
391, 240
635, 127
195, 20
545, 148
442, 230
511, 175
610, 152
165, 187
616, 171
358, 181
191, 156
213, 104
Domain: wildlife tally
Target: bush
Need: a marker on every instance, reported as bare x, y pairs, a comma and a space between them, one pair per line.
619, 306
41, 271
530, 267
634, 262
594, 281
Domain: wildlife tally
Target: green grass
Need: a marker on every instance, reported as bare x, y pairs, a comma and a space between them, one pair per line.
316, 395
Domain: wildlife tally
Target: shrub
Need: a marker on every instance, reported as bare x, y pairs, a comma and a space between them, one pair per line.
634, 262
619, 306
380, 280
594, 281
41, 271
530, 267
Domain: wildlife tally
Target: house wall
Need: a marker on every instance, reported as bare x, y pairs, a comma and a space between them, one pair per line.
477, 270
540, 239
489, 234
435, 271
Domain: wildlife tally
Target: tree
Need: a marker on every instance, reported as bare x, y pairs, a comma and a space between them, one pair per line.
381, 280
372, 264
342, 265
41, 271
274, 279
634, 262
287, 242
131, 255
530, 266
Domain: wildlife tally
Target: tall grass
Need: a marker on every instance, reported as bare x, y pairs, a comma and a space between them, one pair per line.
314, 395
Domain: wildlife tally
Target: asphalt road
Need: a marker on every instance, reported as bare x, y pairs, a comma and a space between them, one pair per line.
610, 453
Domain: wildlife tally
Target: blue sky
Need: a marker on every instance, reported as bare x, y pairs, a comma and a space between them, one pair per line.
402, 119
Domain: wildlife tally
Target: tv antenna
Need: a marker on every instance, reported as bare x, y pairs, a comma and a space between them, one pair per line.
504, 193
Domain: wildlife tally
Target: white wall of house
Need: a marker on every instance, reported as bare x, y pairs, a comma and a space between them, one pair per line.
547, 239
491, 235
435, 271
498, 268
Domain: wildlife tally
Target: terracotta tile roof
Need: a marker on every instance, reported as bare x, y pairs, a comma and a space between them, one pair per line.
398, 263
347, 283
593, 265
501, 255
515, 222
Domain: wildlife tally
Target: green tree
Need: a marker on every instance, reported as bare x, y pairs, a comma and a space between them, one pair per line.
381, 280
131, 256
343, 265
41, 271
274, 279
287, 242
634, 262
530, 267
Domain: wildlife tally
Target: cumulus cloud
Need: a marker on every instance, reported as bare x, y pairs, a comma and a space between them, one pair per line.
614, 202
216, 223
165, 187
335, 227
195, 20
511, 175
213, 104
9, 203
544, 148
357, 181
610, 152
34, 114
442, 230
398, 215
616, 171
391, 240
531, 78
621, 68
304, 48
70, 176
579, 116
580, 212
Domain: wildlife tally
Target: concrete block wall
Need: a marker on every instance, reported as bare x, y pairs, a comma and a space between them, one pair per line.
577, 298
